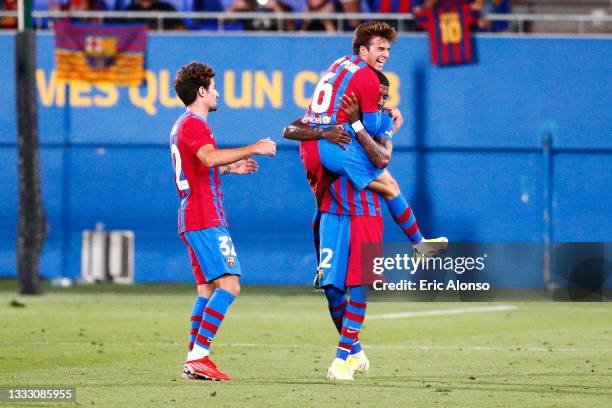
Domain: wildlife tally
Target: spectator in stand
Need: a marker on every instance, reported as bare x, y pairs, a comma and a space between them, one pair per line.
80, 5
8, 22
396, 7
351, 6
156, 5
264, 23
319, 6
495, 7
204, 5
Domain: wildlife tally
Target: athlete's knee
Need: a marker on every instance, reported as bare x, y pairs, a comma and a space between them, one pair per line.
236, 288
394, 187
206, 290
233, 287
389, 187
229, 283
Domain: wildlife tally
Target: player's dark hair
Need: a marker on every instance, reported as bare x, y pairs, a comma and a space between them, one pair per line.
366, 31
190, 78
384, 81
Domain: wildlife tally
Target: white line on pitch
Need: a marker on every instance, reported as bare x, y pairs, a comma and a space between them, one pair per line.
513, 348
426, 347
442, 312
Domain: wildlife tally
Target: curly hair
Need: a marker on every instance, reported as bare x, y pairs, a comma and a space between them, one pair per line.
366, 31
190, 78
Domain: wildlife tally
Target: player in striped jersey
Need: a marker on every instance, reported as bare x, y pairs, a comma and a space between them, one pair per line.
202, 222
341, 233
324, 151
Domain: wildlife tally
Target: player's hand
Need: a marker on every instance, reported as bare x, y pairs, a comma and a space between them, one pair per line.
246, 166
350, 106
398, 120
265, 147
337, 136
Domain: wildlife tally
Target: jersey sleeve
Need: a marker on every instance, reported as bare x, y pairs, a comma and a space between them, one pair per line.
195, 135
386, 124
366, 86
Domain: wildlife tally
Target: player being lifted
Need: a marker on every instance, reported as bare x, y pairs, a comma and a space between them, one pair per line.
348, 220
202, 222
356, 75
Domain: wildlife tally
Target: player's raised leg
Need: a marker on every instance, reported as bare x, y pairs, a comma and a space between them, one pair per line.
404, 217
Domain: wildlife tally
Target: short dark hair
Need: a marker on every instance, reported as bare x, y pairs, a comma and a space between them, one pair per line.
366, 31
384, 81
190, 78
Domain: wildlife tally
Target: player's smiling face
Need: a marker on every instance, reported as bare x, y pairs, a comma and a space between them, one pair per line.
211, 96
376, 54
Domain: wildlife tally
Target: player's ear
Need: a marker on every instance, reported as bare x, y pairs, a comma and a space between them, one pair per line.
201, 91
363, 50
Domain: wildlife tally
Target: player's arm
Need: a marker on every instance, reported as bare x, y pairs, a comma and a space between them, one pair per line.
398, 119
211, 157
299, 131
241, 167
378, 149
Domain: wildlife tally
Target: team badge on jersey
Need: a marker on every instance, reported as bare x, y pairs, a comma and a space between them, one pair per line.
231, 261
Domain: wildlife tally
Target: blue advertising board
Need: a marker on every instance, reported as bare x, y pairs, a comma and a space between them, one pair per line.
469, 156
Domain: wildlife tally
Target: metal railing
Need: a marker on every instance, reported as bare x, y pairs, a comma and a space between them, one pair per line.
519, 20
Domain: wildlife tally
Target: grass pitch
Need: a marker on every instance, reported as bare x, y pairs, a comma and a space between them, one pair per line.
124, 346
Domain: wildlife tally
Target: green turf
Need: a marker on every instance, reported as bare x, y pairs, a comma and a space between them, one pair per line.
123, 347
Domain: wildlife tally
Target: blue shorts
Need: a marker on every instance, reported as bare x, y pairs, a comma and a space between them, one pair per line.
352, 163
212, 254
348, 245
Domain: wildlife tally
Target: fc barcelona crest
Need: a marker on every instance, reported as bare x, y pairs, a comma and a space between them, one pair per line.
100, 52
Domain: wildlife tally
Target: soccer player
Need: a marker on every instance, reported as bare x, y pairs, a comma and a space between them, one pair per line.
357, 74
351, 215
202, 223
349, 220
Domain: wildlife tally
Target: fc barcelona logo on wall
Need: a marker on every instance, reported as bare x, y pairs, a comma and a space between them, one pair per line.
100, 52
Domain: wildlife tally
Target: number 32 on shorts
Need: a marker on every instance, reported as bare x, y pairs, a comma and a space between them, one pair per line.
226, 245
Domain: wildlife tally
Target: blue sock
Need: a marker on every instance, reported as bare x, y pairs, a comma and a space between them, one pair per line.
354, 316
196, 318
404, 217
337, 301
214, 313
358, 294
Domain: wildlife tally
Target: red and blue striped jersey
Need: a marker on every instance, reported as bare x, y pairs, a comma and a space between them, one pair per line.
342, 198
392, 6
449, 27
346, 75
199, 187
